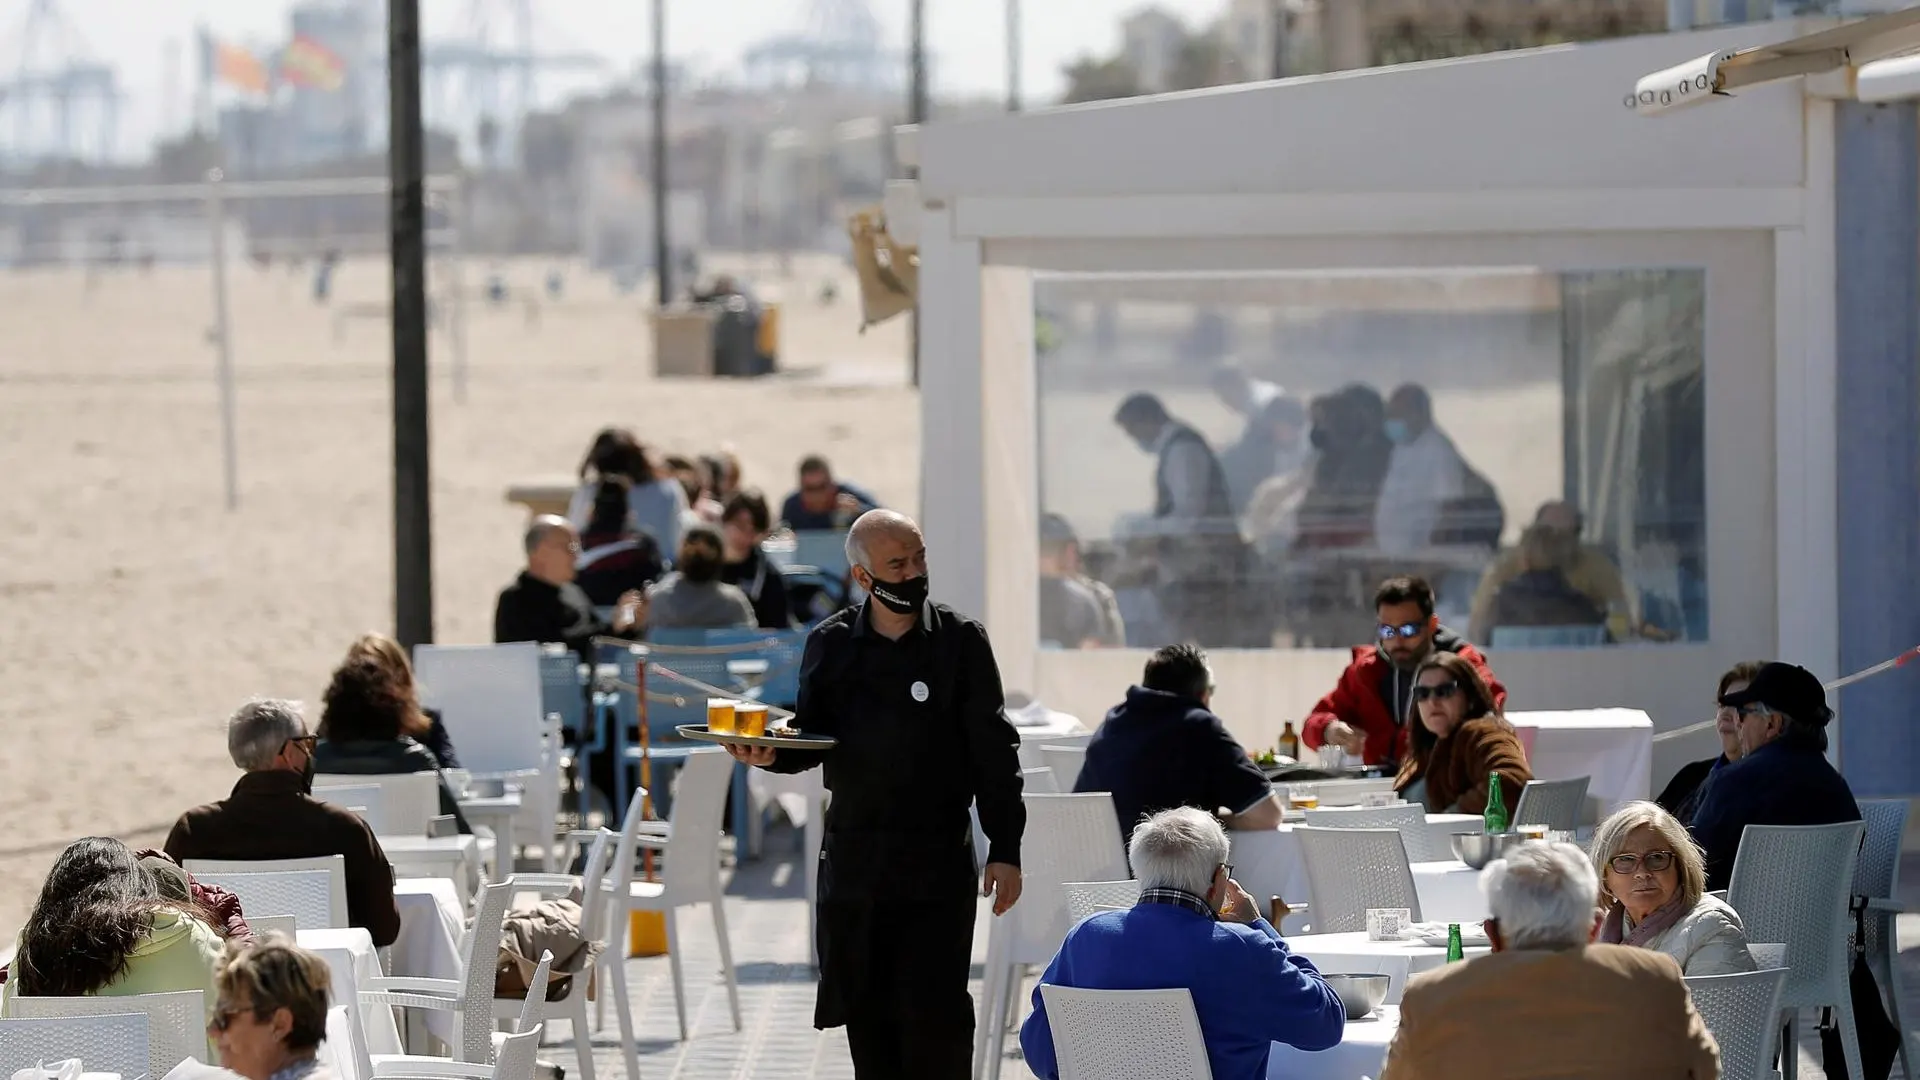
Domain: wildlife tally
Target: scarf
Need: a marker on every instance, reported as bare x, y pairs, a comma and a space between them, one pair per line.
1614, 932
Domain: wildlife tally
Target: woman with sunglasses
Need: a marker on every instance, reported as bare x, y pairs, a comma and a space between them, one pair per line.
272, 1011
1460, 741
1653, 884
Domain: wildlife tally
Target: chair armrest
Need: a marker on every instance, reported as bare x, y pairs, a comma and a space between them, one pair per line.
445, 1069
544, 884
409, 985
657, 843
1882, 904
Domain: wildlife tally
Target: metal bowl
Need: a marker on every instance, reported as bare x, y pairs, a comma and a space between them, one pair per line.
1361, 994
1479, 849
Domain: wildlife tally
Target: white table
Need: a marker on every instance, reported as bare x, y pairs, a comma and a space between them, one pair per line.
1449, 892
1353, 954
496, 812
457, 858
1362, 1052
1268, 863
1612, 746
1034, 736
433, 926
352, 960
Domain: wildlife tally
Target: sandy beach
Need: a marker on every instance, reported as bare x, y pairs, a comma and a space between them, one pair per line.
138, 611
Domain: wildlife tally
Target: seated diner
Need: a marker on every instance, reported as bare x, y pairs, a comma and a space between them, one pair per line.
1653, 885
1459, 741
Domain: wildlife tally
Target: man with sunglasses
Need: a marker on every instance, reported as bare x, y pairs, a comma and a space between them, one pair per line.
1367, 712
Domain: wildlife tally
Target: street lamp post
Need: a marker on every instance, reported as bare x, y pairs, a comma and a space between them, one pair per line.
662, 248
412, 513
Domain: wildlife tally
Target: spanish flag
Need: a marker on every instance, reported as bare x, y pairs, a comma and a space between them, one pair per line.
308, 63
233, 65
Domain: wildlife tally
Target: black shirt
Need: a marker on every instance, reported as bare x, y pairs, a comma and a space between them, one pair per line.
1156, 751
765, 588
922, 736
535, 610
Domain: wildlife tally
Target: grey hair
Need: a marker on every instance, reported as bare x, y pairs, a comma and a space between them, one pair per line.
1180, 848
1545, 896
1687, 857
866, 526
259, 729
544, 526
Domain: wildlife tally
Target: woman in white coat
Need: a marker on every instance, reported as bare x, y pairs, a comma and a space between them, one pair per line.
1653, 882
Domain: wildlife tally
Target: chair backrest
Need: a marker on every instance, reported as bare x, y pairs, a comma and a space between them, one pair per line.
344, 1051
1879, 866
474, 1024
176, 1022
822, 549
1086, 897
313, 891
560, 691
1557, 804
699, 807
593, 896
1791, 884
1068, 838
1065, 761
518, 1054
706, 655
1767, 954
1139, 1034
1040, 781
369, 801
534, 1012
1547, 637
408, 801
1352, 870
112, 1043
1742, 1011
262, 925
1411, 820
489, 699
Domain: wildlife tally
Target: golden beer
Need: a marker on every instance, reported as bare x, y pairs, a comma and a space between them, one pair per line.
751, 718
720, 715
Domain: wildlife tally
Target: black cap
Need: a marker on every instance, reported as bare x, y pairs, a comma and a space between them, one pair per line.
1055, 528
1785, 688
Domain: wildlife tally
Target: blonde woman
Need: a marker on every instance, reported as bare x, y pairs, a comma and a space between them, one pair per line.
1653, 883
272, 1011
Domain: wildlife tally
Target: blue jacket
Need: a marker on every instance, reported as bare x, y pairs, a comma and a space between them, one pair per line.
1786, 782
1158, 750
1248, 989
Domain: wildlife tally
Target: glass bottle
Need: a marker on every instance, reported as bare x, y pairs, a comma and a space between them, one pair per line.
1455, 951
1289, 746
1496, 815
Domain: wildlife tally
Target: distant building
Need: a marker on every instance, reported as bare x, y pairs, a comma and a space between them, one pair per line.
1150, 42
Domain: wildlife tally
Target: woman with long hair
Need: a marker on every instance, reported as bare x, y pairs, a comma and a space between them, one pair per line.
101, 928
615, 556
422, 725
659, 502
362, 730
1459, 741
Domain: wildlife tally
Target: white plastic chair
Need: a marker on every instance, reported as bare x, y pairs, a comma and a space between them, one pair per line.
313, 891
368, 801
532, 1010
113, 1043
595, 903
1068, 838
1066, 762
408, 801
1791, 884
176, 1022
1084, 898
516, 1058
691, 847
1139, 1034
1351, 870
262, 925
345, 1048
490, 701
1557, 804
1039, 781
1874, 879
469, 999
1742, 1012
1410, 820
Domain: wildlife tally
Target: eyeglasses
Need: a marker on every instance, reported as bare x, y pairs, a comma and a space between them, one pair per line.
1755, 709
1439, 692
1405, 630
224, 1014
305, 742
1228, 867
1654, 861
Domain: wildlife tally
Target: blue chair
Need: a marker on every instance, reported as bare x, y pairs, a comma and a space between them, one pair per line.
561, 690
823, 549
1548, 637
665, 749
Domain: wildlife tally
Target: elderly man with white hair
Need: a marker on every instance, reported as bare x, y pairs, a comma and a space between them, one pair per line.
1549, 1002
1196, 929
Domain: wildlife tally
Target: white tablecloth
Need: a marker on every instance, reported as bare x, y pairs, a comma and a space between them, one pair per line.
433, 928
1033, 737
352, 961
1449, 892
1612, 746
457, 858
1353, 954
1268, 863
1362, 1052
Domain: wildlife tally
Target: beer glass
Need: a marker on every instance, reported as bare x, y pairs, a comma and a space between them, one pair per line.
720, 715
750, 718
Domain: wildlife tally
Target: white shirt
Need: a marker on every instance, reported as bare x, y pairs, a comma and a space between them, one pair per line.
1422, 475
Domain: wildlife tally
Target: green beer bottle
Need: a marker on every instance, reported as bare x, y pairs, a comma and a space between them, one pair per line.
1496, 816
1454, 949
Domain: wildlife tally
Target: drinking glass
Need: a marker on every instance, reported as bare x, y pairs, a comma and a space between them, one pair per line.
1303, 798
750, 718
720, 715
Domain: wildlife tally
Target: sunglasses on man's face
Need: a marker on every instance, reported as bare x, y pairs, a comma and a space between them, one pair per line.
1438, 692
1404, 630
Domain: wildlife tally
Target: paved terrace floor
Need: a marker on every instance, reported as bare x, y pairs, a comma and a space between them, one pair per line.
767, 914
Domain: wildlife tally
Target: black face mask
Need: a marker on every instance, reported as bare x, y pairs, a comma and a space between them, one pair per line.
306, 776
901, 597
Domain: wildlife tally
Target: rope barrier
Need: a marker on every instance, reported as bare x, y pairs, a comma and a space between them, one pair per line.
1844, 681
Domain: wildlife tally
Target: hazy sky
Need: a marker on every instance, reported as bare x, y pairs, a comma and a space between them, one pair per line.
966, 37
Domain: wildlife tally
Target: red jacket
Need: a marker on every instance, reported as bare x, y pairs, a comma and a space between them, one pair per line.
1360, 699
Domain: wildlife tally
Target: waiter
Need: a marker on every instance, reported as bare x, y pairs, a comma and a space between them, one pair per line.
911, 691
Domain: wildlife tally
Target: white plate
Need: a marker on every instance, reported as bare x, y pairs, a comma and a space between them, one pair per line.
1472, 936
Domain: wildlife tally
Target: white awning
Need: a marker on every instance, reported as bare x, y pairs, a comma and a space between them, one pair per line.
1857, 45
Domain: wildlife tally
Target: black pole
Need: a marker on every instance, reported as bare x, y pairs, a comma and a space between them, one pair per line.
916, 114
412, 514
662, 249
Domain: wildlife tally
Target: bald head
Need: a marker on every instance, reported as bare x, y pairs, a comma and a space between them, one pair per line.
552, 549
878, 529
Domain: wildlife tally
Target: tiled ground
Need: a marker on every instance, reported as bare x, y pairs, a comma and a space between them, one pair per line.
767, 915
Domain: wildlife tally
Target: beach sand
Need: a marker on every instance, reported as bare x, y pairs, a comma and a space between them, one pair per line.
136, 611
